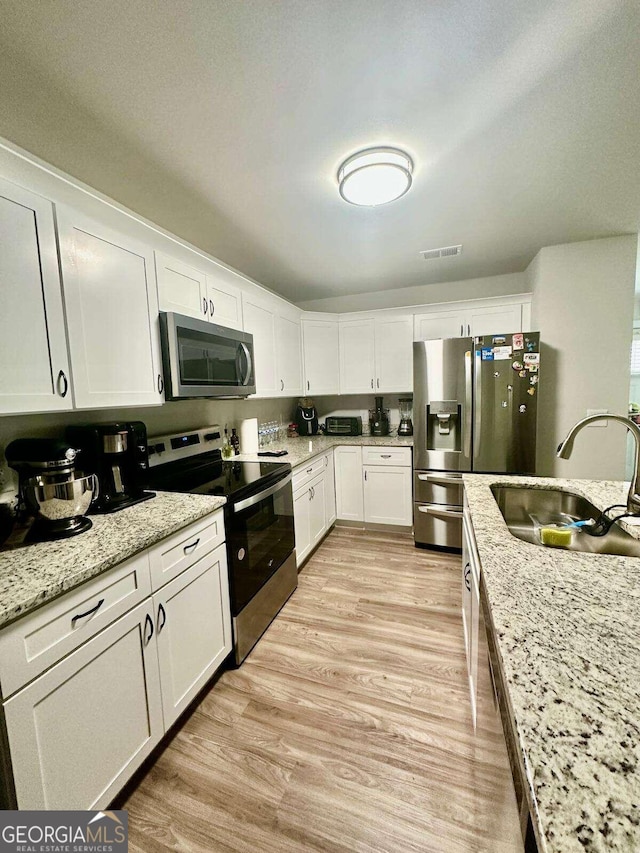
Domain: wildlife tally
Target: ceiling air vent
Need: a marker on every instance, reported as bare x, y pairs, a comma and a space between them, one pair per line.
444, 252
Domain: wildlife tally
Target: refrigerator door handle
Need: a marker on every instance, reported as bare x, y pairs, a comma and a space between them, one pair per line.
440, 480
445, 513
468, 407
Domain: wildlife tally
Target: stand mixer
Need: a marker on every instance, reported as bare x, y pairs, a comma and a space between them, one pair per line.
50, 489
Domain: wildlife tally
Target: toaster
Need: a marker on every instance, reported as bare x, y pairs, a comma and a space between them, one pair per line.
335, 425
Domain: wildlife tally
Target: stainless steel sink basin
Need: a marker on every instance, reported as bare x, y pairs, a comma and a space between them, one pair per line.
518, 503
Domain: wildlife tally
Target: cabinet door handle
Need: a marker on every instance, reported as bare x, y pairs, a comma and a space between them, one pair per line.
310, 495
204, 305
377, 383
365, 474
308, 388
211, 308
189, 548
461, 330
467, 572
372, 383
161, 612
86, 613
148, 623
282, 384
160, 384
469, 330
64, 382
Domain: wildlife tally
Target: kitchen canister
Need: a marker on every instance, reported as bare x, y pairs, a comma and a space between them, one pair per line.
249, 435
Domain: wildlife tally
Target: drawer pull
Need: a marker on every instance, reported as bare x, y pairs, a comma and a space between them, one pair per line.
188, 549
444, 513
87, 613
385, 456
148, 622
309, 470
161, 612
441, 481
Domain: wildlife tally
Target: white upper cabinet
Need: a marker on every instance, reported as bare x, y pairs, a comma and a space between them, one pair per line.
289, 355
433, 325
204, 290
261, 323
112, 314
34, 368
357, 357
321, 347
277, 347
181, 288
469, 319
224, 296
495, 320
394, 354
376, 355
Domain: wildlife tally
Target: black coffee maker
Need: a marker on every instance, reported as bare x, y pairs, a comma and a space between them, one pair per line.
117, 454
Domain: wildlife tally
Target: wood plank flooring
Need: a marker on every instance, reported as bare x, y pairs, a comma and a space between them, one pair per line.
347, 729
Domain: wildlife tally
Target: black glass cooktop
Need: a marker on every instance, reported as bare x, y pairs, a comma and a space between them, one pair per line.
207, 475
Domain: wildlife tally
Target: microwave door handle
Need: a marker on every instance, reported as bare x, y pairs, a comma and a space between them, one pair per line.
255, 499
247, 354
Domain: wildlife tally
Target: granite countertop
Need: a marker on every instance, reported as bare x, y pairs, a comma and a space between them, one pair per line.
34, 574
567, 626
298, 448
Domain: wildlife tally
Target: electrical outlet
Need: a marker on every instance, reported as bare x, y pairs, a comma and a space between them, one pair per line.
597, 424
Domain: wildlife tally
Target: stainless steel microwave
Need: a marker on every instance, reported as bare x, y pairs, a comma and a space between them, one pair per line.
201, 359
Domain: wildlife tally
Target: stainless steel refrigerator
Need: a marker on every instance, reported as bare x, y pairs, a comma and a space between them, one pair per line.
475, 409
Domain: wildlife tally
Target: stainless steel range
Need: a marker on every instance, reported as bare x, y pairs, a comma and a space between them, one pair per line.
258, 519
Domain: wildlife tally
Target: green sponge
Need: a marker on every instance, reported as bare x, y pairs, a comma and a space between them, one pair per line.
557, 537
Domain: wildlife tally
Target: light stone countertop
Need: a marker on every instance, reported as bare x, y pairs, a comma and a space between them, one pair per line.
298, 448
34, 574
567, 626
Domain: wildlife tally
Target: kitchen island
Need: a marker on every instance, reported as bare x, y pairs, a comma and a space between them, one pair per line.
566, 629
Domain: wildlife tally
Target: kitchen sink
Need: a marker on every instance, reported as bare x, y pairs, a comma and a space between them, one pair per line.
518, 503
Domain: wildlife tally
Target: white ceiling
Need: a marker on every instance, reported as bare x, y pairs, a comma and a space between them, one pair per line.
522, 117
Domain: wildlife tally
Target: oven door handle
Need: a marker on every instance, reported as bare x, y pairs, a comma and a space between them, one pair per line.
255, 499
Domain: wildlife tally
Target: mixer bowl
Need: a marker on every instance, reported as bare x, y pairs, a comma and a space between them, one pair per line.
55, 501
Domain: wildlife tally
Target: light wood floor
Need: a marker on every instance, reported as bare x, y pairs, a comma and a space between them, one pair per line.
346, 730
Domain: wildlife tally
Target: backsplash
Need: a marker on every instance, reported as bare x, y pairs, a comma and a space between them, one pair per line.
171, 417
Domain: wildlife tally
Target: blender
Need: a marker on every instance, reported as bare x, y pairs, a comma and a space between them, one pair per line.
405, 404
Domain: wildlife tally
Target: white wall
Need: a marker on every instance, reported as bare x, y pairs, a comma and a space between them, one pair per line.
583, 302
425, 294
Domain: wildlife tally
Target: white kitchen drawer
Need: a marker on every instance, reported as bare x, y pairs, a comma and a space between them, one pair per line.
387, 456
176, 553
303, 474
40, 639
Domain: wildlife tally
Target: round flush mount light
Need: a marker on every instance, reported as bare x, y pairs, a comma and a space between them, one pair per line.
375, 176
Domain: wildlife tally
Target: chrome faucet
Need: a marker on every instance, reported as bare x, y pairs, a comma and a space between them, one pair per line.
565, 448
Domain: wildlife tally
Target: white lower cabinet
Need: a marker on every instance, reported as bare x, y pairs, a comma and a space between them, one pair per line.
349, 493
373, 484
330, 488
470, 607
309, 514
314, 503
192, 644
387, 495
78, 732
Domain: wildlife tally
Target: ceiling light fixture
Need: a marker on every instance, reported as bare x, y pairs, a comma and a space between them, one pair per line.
375, 176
